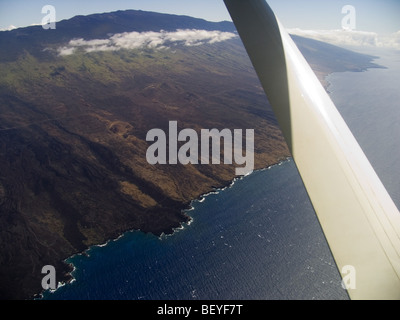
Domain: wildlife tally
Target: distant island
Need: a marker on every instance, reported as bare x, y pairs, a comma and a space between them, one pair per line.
74, 112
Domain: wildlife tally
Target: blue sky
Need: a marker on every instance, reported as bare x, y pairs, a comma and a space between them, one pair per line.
381, 16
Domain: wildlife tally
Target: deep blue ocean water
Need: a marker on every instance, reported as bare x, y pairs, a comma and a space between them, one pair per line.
260, 238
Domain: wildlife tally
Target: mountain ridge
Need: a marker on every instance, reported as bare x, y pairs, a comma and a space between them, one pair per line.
99, 26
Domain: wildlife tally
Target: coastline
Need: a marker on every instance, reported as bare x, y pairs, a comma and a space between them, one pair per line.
217, 190
69, 277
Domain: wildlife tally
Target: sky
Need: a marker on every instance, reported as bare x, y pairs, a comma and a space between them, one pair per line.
380, 17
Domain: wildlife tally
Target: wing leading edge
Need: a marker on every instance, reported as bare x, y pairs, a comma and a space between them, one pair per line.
359, 219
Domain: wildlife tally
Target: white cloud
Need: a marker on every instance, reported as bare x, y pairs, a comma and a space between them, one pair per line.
351, 37
150, 39
394, 40
10, 27
66, 51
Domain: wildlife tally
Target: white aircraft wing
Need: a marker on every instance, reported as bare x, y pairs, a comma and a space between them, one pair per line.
359, 219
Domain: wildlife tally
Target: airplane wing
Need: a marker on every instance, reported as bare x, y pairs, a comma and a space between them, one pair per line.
359, 219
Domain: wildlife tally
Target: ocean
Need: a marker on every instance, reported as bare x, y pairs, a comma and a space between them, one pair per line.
370, 104
258, 239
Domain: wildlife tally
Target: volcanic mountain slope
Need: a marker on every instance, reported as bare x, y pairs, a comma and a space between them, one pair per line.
73, 125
